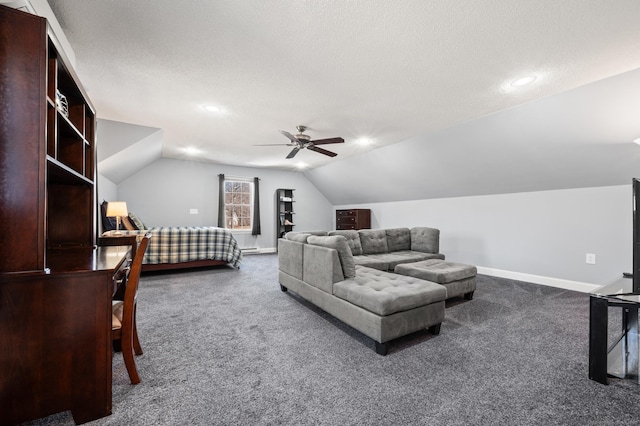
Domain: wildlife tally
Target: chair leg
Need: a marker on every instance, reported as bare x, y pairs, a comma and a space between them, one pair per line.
136, 342
129, 361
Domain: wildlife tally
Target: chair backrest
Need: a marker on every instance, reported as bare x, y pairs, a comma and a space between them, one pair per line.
131, 291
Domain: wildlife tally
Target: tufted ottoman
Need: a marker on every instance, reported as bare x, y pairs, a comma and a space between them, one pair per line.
402, 304
458, 278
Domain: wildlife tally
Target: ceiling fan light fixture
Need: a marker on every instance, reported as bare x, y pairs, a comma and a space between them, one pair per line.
302, 141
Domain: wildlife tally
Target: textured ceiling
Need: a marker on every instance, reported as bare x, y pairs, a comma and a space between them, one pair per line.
388, 71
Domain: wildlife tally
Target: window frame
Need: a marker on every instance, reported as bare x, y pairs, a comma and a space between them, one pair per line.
240, 180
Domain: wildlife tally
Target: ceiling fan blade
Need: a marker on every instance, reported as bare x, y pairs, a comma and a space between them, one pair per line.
326, 141
321, 151
293, 153
290, 136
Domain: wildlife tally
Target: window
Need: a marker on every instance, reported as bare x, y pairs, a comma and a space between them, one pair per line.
238, 204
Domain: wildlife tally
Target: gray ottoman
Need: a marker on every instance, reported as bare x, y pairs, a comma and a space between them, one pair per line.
457, 278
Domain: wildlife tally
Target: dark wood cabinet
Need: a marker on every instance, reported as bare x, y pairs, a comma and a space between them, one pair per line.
47, 147
284, 211
353, 219
55, 284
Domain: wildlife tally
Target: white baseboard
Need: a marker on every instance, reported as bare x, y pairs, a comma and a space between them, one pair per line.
259, 251
519, 276
539, 279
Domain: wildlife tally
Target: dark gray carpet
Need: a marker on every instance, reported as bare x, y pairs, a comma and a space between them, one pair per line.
228, 347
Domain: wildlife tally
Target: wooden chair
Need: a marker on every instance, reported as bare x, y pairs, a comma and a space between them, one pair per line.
123, 320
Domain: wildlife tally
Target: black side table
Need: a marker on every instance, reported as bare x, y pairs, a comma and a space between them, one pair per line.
620, 359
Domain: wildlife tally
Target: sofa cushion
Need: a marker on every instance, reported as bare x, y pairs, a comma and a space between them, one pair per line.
425, 239
438, 271
319, 233
353, 239
339, 243
321, 267
388, 261
374, 261
384, 293
373, 241
290, 257
300, 237
398, 239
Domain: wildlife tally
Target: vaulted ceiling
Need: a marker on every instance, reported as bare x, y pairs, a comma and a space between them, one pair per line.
432, 78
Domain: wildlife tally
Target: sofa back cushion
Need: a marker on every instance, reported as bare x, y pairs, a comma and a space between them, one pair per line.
398, 239
290, 257
300, 237
353, 239
339, 243
321, 267
373, 241
425, 239
320, 233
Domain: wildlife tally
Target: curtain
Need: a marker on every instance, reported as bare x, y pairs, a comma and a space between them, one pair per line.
221, 201
255, 230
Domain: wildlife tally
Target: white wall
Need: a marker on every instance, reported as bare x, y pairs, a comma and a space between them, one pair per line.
162, 194
535, 236
581, 138
107, 190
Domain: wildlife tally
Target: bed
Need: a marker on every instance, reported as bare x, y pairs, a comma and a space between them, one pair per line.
186, 247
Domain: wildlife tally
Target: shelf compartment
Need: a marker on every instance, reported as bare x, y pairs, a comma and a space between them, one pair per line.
68, 207
61, 174
75, 99
70, 153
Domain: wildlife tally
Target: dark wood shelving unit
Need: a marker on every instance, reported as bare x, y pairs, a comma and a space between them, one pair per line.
55, 284
284, 212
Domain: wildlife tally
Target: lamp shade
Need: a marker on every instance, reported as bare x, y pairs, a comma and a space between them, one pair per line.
117, 209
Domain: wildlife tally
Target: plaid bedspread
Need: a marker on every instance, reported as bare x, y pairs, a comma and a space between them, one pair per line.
184, 244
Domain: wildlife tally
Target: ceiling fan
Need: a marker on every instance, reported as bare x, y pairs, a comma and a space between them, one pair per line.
301, 141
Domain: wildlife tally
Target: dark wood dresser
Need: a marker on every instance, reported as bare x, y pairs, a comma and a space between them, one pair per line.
353, 219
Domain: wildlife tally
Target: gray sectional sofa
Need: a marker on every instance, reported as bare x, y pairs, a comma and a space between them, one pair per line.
346, 273
385, 248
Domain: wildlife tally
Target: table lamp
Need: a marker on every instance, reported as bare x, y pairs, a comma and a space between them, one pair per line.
117, 209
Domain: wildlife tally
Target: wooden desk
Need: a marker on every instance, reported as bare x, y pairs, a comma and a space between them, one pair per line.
120, 240
55, 336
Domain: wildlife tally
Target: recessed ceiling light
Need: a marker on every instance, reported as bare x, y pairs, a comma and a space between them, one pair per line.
213, 108
301, 165
637, 141
191, 150
364, 141
523, 81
